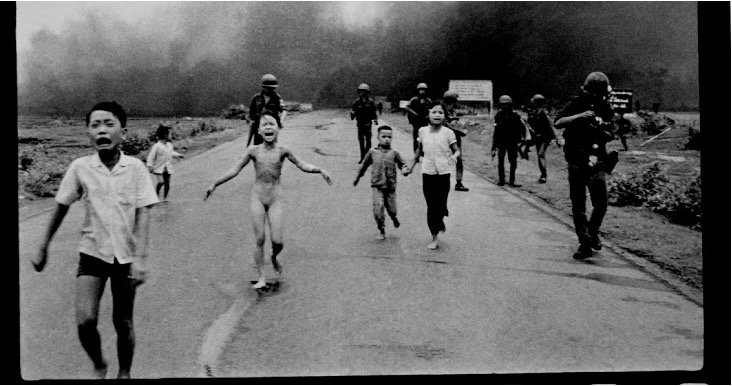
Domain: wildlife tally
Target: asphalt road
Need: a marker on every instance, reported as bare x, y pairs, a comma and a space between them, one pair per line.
501, 295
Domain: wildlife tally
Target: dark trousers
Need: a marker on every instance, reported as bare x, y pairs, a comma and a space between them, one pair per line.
459, 164
364, 138
254, 137
541, 155
415, 135
436, 187
582, 179
512, 155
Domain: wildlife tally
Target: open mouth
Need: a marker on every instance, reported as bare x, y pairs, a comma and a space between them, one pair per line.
103, 141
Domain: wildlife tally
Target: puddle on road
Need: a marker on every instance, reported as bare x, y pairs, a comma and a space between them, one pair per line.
684, 332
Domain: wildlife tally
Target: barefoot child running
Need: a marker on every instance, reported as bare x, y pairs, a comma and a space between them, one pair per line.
437, 145
116, 193
384, 171
160, 160
266, 199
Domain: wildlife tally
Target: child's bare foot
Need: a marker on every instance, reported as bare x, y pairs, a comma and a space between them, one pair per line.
123, 375
381, 236
432, 245
260, 284
101, 372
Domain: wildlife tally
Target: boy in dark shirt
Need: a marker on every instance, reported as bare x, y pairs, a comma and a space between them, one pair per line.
385, 162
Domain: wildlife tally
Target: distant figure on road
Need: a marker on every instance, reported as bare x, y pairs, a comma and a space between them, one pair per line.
267, 99
364, 111
117, 192
543, 132
380, 107
509, 131
417, 112
586, 121
450, 99
160, 160
266, 201
438, 147
386, 165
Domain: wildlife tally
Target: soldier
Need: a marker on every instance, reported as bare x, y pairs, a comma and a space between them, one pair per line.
450, 99
267, 99
417, 112
543, 132
364, 111
509, 131
586, 121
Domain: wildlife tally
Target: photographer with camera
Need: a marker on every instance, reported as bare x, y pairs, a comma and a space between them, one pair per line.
587, 124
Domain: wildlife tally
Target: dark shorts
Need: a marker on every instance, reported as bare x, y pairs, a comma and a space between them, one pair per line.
91, 266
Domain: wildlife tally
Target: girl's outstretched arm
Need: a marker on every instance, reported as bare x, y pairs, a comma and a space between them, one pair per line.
231, 173
307, 168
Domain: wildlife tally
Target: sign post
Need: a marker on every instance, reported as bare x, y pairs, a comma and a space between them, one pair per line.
474, 91
621, 99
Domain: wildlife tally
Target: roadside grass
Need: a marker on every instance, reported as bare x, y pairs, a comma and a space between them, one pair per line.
47, 146
638, 230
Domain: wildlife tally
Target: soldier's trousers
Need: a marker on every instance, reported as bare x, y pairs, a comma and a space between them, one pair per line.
541, 155
384, 199
582, 179
512, 152
364, 138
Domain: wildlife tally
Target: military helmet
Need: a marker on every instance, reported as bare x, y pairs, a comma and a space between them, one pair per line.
537, 98
505, 99
269, 80
363, 87
450, 94
596, 83
422, 86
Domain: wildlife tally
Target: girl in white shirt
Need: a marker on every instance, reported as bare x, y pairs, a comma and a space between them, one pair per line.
437, 145
160, 160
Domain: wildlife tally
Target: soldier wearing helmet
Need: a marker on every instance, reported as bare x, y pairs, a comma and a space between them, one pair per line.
450, 99
508, 133
542, 132
587, 124
364, 111
417, 112
267, 99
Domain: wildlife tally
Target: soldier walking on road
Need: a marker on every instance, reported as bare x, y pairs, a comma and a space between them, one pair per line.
364, 111
269, 100
587, 125
417, 111
509, 131
543, 132
450, 99
117, 193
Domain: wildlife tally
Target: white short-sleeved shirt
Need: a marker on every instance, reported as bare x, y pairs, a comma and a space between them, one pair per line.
436, 148
160, 157
110, 199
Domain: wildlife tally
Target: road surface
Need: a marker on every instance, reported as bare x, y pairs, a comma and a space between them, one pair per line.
501, 295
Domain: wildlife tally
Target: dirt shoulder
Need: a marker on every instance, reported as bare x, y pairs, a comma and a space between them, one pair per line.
672, 250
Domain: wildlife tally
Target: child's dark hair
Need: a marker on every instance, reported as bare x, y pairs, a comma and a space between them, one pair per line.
162, 132
273, 115
437, 102
383, 127
113, 107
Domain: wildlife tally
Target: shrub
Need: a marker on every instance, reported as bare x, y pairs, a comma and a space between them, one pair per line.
652, 189
134, 144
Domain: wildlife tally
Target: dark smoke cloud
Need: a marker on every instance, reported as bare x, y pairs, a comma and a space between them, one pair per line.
200, 57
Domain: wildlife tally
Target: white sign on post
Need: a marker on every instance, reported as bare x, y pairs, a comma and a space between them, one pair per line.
403, 104
473, 90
